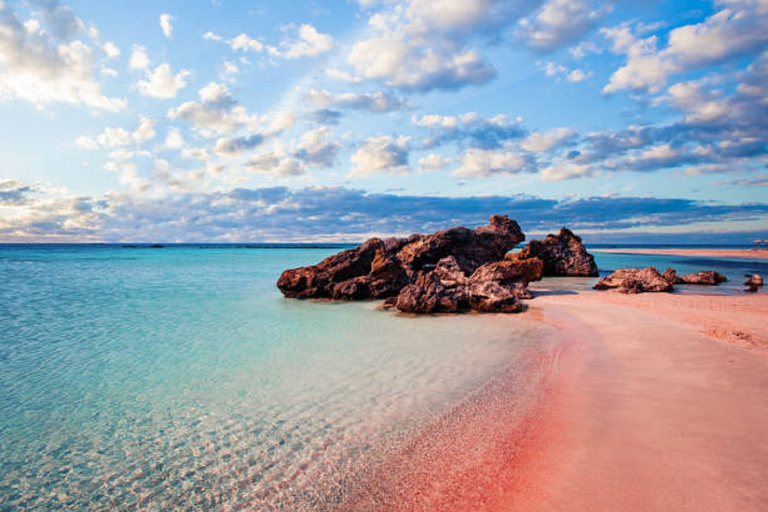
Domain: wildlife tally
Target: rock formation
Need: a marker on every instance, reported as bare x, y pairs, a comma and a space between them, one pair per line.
563, 255
706, 277
431, 273
454, 270
633, 280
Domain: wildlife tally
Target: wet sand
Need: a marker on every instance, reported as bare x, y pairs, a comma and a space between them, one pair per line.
651, 402
710, 253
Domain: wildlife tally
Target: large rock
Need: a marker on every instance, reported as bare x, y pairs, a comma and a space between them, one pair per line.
449, 271
381, 268
563, 255
633, 280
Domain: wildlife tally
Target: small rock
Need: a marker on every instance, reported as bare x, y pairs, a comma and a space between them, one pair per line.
633, 280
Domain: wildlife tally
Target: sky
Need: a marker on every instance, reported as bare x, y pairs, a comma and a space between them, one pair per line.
307, 120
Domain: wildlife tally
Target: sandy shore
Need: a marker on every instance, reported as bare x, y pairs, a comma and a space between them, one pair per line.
663, 406
760, 254
648, 403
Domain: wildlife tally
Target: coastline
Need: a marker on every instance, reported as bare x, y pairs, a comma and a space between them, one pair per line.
760, 254
643, 403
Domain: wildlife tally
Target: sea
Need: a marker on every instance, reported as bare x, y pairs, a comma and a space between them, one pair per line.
177, 377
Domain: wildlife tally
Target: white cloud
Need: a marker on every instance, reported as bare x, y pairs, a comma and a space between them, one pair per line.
229, 146
381, 154
559, 22
139, 58
734, 31
558, 70
539, 142
162, 83
119, 137
217, 112
434, 162
376, 102
244, 43
315, 149
566, 169
211, 36
174, 140
309, 43
422, 45
38, 67
145, 131
111, 50
166, 25
479, 163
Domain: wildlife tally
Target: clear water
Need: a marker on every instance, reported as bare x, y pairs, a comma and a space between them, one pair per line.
180, 379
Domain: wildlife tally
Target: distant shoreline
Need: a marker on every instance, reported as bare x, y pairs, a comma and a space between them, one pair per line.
761, 254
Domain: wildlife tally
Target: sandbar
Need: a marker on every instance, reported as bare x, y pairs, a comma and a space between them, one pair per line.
754, 253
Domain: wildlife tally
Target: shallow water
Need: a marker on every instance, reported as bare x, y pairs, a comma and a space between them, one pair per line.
180, 379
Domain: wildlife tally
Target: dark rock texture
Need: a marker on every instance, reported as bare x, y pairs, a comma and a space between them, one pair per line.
563, 255
449, 271
633, 280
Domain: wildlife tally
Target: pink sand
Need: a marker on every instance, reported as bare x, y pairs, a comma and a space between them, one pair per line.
644, 403
717, 253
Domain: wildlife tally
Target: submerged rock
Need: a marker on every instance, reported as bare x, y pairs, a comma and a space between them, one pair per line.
563, 255
753, 283
633, 280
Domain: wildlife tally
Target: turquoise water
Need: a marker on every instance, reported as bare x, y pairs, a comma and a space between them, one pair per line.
180, 379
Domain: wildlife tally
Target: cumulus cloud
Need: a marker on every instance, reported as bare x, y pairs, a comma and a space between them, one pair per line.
229, 146
480, 163
315, 148
217, 111
560, 22
111, 50
434, 162
540, 142
558, 70
44, 67
477, 131
420, 45
139, 58
737, 30
119, 137
306, 42
381, 154
162, 83
166, 24
377, 102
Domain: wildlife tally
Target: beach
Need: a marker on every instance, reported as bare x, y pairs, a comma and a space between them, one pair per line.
651, 402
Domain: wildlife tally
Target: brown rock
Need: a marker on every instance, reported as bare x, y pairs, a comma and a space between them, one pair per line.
492, 297
382, 268
563, 255
706, 277
754, 280
633, 280
429, 295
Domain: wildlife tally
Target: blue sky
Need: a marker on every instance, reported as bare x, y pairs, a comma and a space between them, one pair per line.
224, 120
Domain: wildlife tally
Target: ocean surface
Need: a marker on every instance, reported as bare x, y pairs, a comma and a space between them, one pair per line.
178, 378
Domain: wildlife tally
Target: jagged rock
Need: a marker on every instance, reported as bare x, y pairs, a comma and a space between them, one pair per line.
470, 248
563, 255
754, 280
453, 270
381, 268
706, 277
429, 295
633, 280
492, 297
